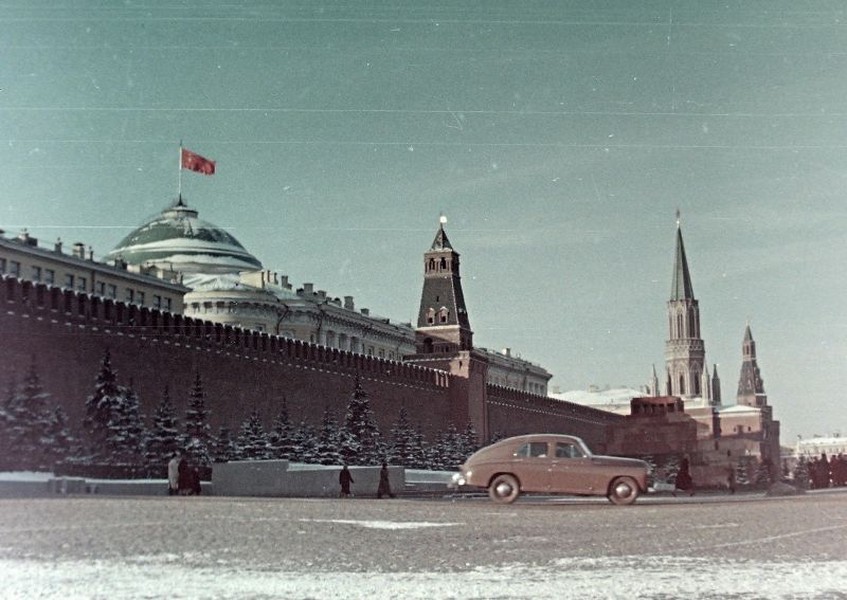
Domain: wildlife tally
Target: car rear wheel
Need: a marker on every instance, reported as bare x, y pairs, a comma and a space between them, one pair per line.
624, 490
504, 489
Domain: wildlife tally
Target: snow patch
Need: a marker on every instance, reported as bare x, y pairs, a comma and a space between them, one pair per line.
382, 524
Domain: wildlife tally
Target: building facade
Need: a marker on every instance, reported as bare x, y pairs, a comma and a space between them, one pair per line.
151, 287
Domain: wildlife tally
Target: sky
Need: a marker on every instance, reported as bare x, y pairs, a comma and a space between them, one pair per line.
559, 138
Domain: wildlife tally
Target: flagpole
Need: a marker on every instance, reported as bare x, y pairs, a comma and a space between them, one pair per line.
179, 188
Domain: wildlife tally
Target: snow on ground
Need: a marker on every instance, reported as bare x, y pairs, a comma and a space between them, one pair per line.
382, 524
648, 577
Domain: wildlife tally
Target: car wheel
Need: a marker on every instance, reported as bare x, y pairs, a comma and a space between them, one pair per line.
623, 490
504, 489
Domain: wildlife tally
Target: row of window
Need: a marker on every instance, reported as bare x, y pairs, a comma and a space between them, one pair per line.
80, 283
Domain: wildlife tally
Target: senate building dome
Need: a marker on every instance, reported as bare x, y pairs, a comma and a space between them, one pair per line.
177, 240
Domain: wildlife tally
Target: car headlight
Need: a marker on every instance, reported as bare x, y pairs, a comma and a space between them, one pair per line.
457, 480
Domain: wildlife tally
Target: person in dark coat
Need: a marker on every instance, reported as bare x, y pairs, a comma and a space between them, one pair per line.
185, 478
345, 479
684, 481
384, 488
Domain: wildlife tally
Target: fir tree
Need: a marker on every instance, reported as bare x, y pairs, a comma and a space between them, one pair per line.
328, 443
360, 445
253, 441
163, 441
101, 412
128, 435
29, 424
60, 440
6, 424
451, 449
467, 442
401, 450
198, 437
225, 448
305, 444
281, 437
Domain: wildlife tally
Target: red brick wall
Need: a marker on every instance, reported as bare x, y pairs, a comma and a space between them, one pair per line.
67, 335
240, 370
511, 412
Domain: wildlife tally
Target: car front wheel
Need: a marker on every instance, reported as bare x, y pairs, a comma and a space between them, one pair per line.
504, 489
623, 490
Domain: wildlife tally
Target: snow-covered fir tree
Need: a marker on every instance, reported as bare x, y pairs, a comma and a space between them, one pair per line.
128, 434
361, 444
468, 442
281, 436
252, 440
197, 439
102, 422
401, 449
329, 440
450, 449
6, 426
61, 443
28, 418
225, 448
305, 444
163, 440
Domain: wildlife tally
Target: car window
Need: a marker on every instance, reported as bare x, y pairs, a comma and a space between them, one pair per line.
567, 450
533, 449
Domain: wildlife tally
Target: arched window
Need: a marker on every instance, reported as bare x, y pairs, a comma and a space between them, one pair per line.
443, 315
443, 263
682, 384
430, 316
431, 264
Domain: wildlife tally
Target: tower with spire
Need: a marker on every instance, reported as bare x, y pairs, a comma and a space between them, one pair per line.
443, 324
443, 336
751, 387
685, 353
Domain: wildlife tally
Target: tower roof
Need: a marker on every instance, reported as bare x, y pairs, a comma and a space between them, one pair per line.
441, 242
681, 288
178, 239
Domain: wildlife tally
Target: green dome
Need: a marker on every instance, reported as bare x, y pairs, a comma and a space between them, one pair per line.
177, 239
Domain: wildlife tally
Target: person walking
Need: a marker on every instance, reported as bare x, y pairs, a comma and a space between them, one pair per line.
683, 480
345, 478
384, 488
173, 475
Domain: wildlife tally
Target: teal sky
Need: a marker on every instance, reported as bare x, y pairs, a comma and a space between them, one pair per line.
559, 138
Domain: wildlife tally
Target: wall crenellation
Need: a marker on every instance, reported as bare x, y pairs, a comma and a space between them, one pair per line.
113, 316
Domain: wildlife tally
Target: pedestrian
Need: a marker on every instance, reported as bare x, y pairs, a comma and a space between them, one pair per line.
173, 475
195, 481
384, 488
185, 480
683, 480
345, 479
730, 478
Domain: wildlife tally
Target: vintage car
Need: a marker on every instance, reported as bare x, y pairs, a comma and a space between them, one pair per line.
553, 464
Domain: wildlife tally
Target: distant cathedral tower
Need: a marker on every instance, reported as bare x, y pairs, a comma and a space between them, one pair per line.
751, 388
685, 352
443, 325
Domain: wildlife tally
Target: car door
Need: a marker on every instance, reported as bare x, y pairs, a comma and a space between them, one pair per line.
532, 463
571, 472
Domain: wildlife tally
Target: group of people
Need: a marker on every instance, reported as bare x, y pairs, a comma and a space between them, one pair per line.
825, 472
183, 479
345, 478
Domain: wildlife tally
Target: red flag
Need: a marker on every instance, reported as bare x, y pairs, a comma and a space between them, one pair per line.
195, 162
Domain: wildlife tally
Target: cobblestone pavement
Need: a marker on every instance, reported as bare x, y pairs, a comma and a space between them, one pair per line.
410, 535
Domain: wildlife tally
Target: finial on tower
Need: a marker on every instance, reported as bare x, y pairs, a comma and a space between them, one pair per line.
442, 219
678, 218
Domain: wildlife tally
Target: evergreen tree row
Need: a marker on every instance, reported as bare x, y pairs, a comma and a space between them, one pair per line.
35, 435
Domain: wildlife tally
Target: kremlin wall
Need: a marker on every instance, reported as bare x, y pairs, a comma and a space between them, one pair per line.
67, 334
